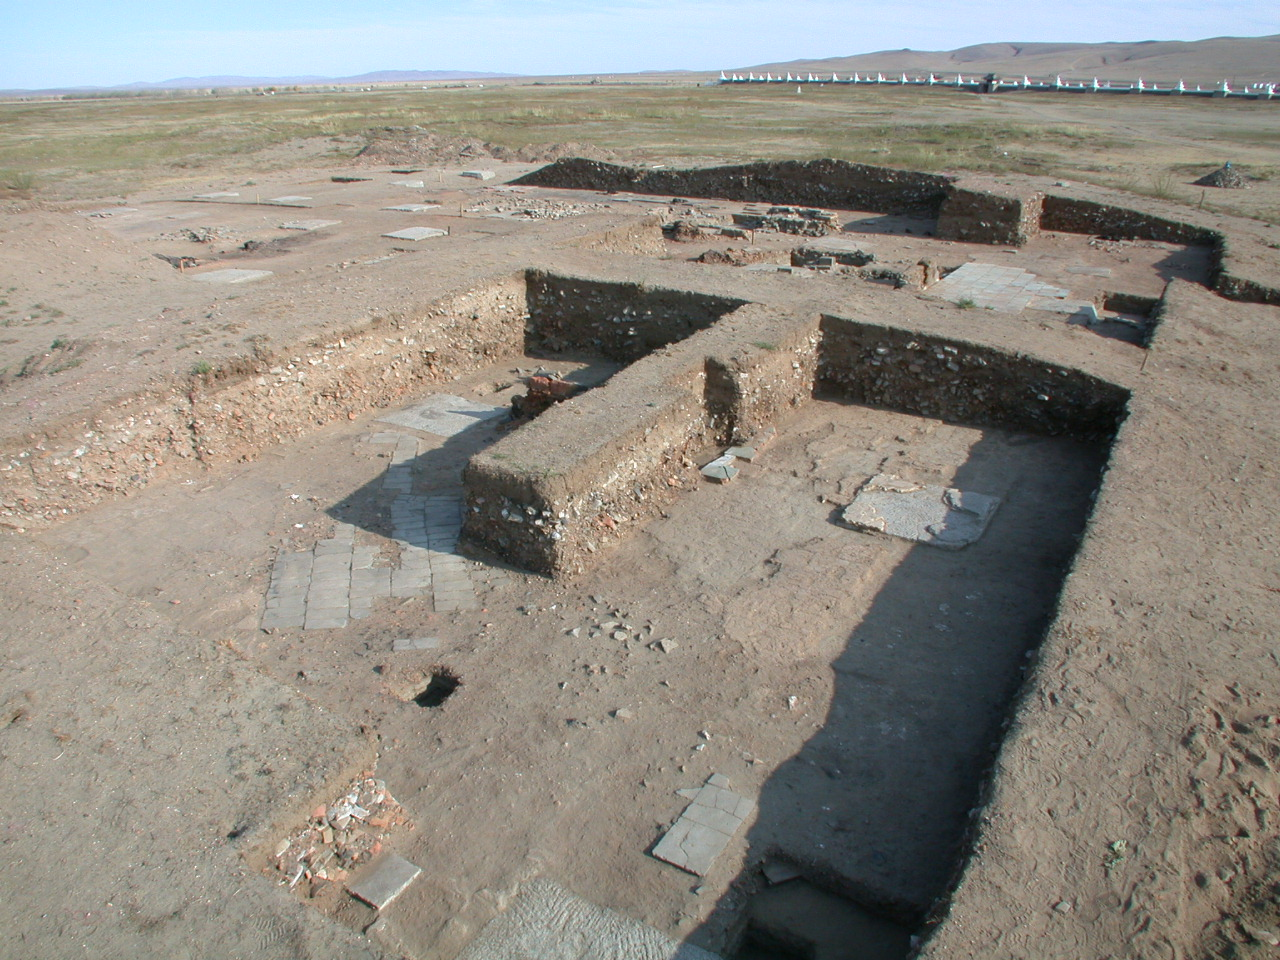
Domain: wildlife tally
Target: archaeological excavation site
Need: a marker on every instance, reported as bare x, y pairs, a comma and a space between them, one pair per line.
576, 560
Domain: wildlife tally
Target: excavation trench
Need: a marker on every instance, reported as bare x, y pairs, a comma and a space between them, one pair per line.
872, 811
909, 655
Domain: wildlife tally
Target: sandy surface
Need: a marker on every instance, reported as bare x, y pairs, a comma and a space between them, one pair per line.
1079, 711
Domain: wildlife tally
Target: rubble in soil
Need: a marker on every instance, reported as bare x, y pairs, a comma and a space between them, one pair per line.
534, 209
338, 837
685, 231
203, 235
740, 256
801, 221
544, 392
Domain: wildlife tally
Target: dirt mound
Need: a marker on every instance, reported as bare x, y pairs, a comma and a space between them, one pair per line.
551, 152
417, 145
1226, 176
739, 257
414, 145
683, 231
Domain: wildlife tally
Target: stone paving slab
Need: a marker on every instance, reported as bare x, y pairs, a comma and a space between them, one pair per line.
289, 201
705, 828
937, 516
444, 415
308, 224
416, 233
383, 880
547, 922
721, 469
414, 207
231, 276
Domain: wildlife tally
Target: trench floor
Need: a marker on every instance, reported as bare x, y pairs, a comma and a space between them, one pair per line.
853, 684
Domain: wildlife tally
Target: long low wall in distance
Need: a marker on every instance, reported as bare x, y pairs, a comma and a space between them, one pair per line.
970, 209
820, 183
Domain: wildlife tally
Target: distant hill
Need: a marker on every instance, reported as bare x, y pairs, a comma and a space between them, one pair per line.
380, 76
1200, 61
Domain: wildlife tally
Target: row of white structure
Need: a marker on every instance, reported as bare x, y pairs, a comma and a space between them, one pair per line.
986, 83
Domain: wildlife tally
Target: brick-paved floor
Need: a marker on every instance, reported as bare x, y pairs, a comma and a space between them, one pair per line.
1008, 289
338, 580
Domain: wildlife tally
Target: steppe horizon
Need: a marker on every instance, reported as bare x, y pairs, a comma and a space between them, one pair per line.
93, 44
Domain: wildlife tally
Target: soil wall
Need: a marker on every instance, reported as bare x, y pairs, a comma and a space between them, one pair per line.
636, 239
986, 215
587, 472
1247, 272
754, 381
619, 321
1076, 215
555, 492
552, 494
233, 412
953, 380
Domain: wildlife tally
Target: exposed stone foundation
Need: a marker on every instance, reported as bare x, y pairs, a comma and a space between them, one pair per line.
953, 380
553, 494
232, 413
590, 470
1074, 215
619, 321
993, 214
818, 183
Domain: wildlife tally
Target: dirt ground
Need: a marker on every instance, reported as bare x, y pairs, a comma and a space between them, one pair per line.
90, 279
1060, 741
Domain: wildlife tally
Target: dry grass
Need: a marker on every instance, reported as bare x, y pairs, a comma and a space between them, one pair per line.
1152, 145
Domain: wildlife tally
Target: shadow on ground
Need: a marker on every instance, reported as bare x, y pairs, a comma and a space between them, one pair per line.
870, 817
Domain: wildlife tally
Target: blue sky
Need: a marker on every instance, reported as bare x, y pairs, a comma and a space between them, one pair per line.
96, 42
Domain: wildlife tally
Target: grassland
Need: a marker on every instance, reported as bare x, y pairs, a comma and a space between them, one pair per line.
101, 147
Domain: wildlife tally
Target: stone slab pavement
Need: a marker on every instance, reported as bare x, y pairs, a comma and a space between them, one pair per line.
338, 580
705, 828
1008, 289
231, 276
937, 516
415, 233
